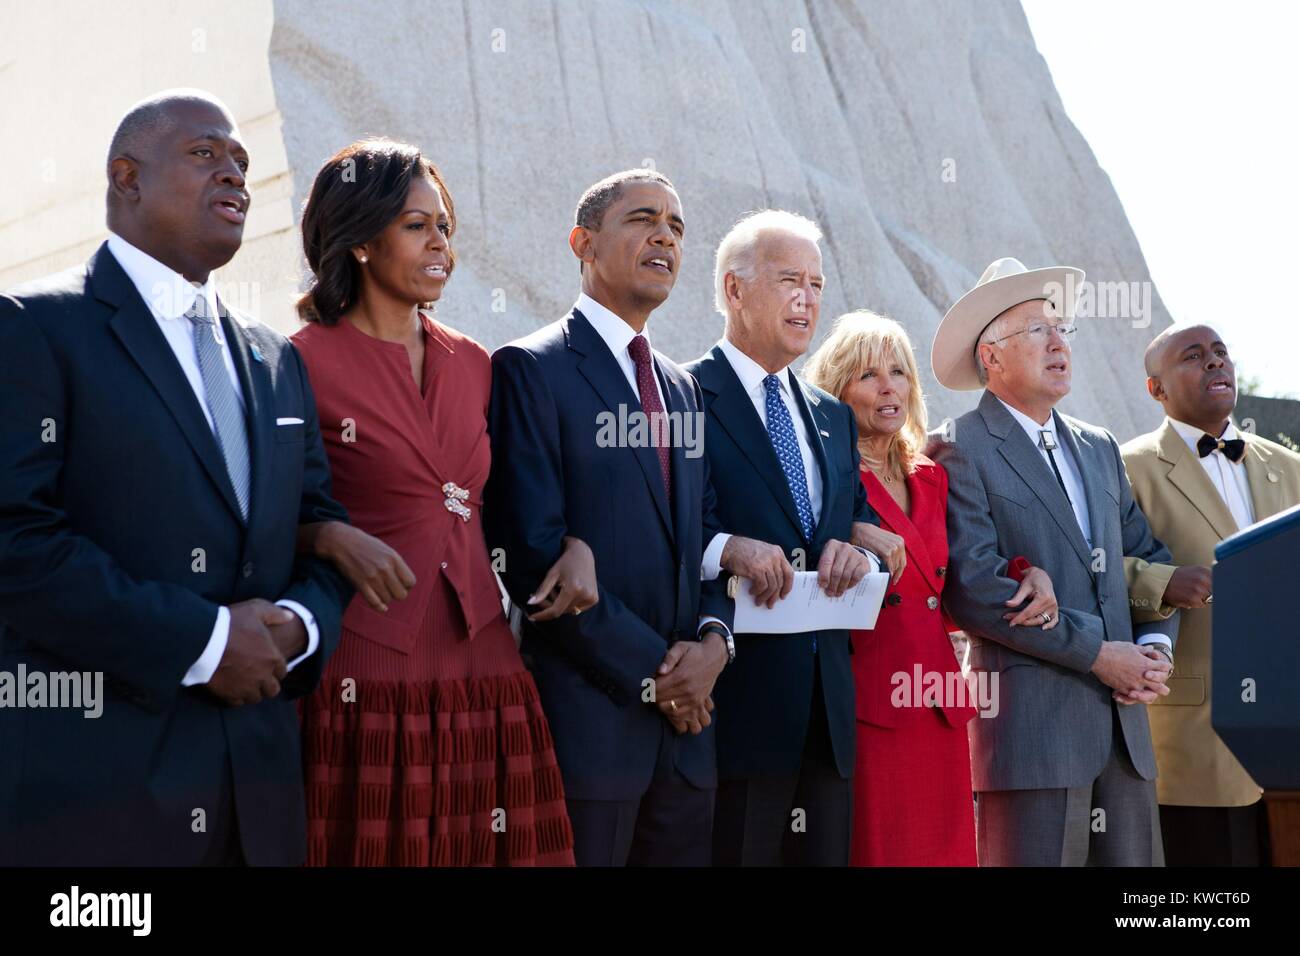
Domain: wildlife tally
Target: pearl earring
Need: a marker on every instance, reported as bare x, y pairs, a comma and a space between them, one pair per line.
363, 258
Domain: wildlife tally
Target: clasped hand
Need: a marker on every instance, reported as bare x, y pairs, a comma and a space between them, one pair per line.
771, 576
263, 638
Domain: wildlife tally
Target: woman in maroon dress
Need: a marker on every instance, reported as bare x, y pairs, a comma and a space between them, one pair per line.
912, 798
425, 744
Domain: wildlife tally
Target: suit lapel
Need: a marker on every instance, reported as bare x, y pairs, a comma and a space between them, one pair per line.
675, 401
599, 367
1265, 486
735, 413
255, 382
1025, 460
1090, 465
137, 330
1188, 475
898, 522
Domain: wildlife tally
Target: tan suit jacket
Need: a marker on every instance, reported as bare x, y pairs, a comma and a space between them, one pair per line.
1188, 514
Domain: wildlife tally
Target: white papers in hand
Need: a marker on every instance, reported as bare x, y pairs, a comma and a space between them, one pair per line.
808, 608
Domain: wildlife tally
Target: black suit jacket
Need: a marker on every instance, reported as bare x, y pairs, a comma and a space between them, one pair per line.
101, 571
552, 476
764, 698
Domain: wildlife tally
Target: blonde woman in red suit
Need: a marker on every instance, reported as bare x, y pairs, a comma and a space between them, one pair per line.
912, 788
425, 743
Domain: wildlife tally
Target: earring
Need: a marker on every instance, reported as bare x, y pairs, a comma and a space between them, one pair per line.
364, 258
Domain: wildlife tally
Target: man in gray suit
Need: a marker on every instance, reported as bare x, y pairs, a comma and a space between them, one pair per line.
1064, 773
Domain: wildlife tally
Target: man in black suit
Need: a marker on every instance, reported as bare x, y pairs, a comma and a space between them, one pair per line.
783, 456
577, 449
157, 455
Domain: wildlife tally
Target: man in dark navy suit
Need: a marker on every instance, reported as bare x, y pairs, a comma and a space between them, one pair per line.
157, 455
784, 462
596, 435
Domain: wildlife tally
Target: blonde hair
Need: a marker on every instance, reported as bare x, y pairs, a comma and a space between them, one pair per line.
860, 340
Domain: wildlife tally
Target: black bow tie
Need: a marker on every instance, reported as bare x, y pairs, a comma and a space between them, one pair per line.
1232, 449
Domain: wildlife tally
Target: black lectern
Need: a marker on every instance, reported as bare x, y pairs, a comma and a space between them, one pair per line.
1255, 703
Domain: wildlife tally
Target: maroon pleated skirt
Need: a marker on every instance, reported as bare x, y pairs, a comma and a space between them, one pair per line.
440, 757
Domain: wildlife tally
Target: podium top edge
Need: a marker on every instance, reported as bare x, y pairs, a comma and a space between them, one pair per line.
1259, 531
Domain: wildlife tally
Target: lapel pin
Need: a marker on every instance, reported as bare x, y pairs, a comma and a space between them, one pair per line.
825, 434
257, 353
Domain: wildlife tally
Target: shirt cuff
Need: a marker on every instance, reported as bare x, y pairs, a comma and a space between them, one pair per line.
201, 671
1157, 639
711, 563
708, 619
875, 560
313, 635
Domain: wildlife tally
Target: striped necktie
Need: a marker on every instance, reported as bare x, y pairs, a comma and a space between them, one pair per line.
223, 403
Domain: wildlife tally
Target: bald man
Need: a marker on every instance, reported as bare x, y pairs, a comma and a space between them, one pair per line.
1199, 479
158, 451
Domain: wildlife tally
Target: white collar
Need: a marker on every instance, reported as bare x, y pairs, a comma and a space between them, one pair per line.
618, 335
167, 293
751, 374
1031, 427
1192, 434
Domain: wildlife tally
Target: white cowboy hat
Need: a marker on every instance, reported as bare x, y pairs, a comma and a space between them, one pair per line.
1005, 283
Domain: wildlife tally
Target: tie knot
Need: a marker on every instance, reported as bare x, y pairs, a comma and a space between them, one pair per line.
772, 384
199, 312
639, 349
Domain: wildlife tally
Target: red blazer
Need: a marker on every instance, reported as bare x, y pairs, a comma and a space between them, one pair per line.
391, 449
912, 628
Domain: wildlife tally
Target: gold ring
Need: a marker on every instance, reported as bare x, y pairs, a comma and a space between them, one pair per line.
673, 703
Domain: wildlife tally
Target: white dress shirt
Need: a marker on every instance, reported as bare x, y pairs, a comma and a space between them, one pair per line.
1064, 461
1228, 477
752, 376
617, 336
169, 296
1073, 486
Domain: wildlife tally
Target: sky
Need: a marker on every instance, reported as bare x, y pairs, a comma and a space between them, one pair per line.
1191, 108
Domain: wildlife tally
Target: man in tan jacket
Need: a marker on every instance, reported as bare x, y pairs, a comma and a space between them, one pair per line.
1198, 480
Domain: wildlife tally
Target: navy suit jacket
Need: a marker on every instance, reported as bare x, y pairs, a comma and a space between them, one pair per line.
764, 698
100, 571
552, 476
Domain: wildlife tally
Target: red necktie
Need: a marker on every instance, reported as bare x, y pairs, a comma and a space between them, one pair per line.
639, 349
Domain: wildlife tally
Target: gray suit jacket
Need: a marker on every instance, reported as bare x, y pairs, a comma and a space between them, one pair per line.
1053, 726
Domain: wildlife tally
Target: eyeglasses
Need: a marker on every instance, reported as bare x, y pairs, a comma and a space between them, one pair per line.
1040, 331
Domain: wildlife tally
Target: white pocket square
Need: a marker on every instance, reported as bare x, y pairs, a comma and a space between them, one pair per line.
288, 421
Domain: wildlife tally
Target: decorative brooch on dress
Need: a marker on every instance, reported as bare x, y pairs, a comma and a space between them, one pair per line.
455, 496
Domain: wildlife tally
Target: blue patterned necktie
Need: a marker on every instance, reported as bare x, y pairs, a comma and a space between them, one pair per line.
786, 444
223, 403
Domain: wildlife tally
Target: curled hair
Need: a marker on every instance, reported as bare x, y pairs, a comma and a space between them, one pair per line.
357, 193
